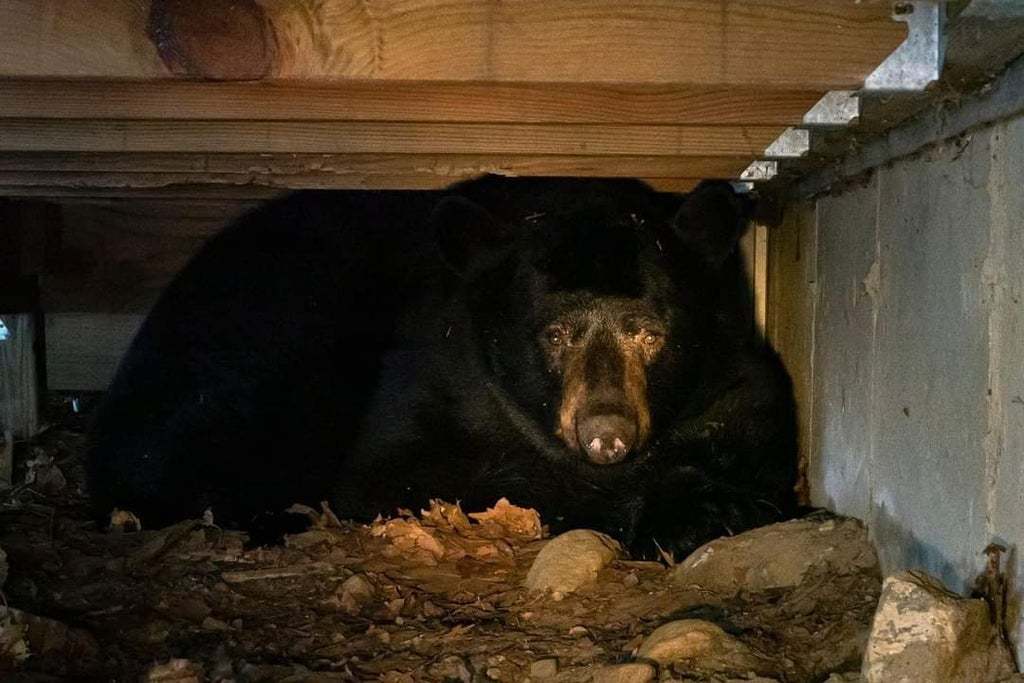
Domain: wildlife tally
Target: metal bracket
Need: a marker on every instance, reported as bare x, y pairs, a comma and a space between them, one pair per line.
760, 170
793, 143
836, 108
918, 61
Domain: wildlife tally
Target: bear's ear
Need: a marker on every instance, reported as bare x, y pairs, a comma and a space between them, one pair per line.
471, 240
712, 220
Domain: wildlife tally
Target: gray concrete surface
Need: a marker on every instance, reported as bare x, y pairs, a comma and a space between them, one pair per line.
916, 333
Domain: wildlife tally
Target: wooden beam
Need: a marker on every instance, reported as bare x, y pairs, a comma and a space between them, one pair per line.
29, 174
29, 168
132, 188
366, 137
404, 101
89, 195
802, 43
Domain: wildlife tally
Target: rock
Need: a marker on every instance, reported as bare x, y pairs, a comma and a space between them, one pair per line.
43, 475
570, 561
702, 645
13, 643
635, 672
923, 632
212, 624
65, 649
175, 671
451, 668
779, 556
50, 480
544, 668
354, 594
845, 678
3, 567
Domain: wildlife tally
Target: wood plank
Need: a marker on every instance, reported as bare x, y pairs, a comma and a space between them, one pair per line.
131, 171
19, 392
792, 305
827, 45
132, 190
381, 137
404, 101
192, 193
296, 181
447, 165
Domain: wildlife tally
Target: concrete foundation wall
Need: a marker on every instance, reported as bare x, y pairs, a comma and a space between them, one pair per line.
899, 307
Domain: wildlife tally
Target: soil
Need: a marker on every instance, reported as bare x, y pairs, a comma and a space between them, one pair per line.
432, 596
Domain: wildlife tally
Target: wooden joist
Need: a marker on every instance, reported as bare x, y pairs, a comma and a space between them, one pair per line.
249, 97
106, 173
405, 101
159, 186
367, 137
769, 43
334, 168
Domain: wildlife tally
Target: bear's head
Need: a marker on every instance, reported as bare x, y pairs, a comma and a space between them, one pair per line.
597, 306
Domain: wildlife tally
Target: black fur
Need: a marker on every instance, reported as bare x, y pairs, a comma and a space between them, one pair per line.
380, 349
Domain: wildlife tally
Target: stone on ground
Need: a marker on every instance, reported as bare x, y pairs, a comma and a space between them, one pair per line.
176, 671
571, 561
543, 669
779, 556
702, 645
923, 632
354, 594
451, 668
634, 672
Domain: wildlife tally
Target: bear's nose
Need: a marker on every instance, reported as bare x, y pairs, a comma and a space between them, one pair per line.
606, 439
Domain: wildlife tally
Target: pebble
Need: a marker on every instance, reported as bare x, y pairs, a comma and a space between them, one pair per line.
702, 644
451, 668
544, 668
354, 593
571, 561
175, 671
635, 672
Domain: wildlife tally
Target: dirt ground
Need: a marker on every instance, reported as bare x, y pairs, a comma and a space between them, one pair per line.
435, 596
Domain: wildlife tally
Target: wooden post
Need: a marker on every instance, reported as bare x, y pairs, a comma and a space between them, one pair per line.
19, 416
20, 260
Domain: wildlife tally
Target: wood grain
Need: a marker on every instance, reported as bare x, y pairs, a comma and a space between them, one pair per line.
219, 39
404, 101
130, 189
381, 137
792, 297
325, 171
828, 44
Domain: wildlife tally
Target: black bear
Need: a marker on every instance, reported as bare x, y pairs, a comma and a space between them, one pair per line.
584, 347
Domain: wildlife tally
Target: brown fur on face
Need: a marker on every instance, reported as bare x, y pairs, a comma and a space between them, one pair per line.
602, 358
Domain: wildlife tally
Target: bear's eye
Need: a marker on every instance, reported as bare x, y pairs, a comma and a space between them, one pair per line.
649, 337
555, 336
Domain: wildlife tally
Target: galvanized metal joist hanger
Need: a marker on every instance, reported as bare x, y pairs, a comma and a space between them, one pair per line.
918, 61
835, 108
912, 67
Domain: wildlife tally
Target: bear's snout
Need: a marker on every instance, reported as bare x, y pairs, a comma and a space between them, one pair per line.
606, 439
